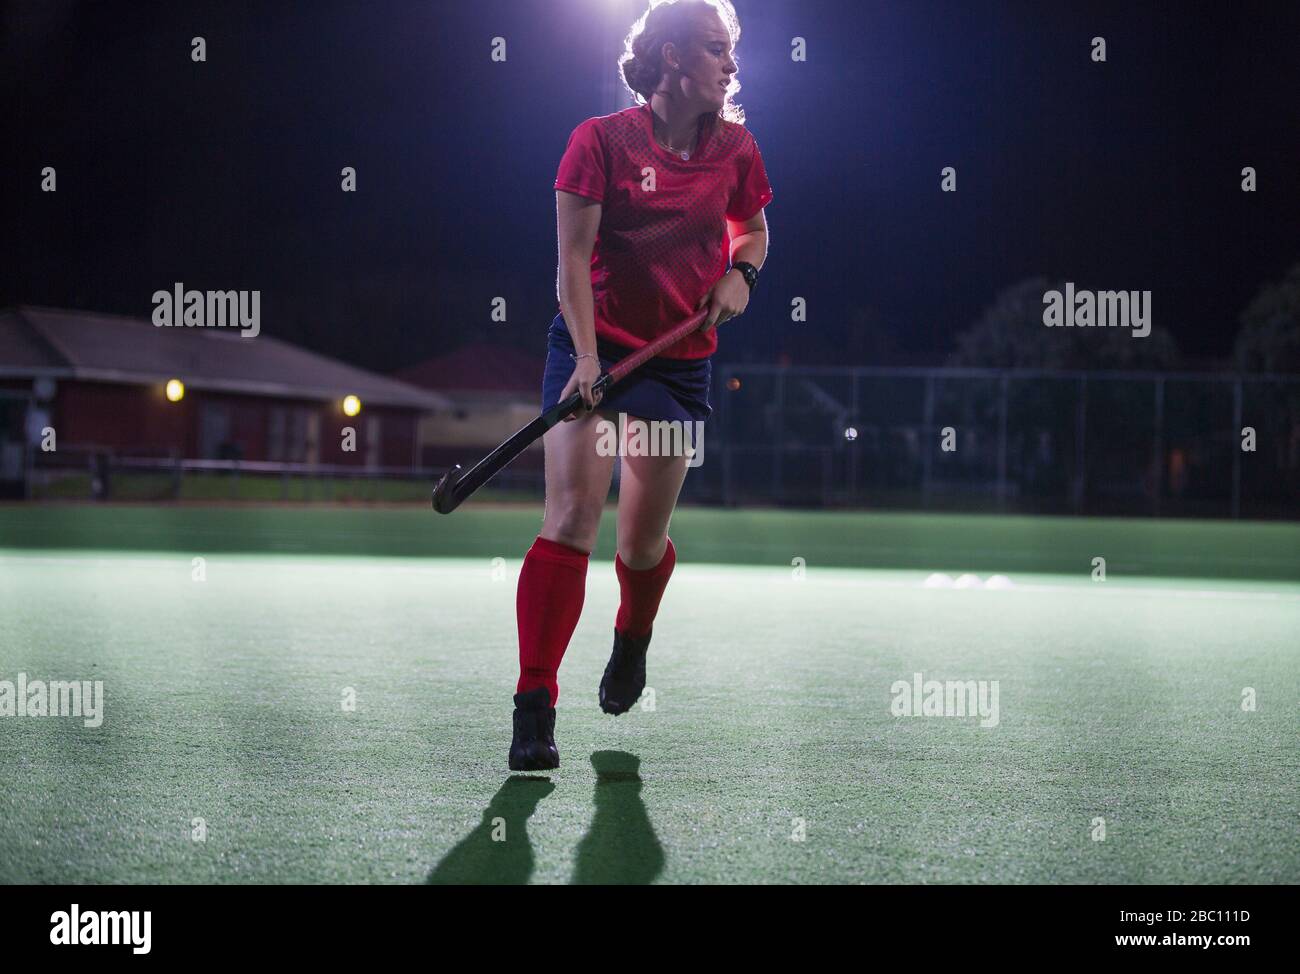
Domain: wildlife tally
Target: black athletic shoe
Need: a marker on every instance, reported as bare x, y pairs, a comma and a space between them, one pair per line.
624, 677
533, 747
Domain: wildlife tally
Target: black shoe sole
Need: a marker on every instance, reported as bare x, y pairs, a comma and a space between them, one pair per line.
533, 764
533, 759
613, 707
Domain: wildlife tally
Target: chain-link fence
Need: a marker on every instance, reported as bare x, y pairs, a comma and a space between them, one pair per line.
1102, 443
1124, 443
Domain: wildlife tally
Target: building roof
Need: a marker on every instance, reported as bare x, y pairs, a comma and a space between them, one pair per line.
480, 368
113, 348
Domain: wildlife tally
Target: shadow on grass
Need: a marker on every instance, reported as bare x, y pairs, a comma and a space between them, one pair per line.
477, 859
621, 846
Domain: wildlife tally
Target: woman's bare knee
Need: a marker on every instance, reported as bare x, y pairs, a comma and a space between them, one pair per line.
641, 552
572, 521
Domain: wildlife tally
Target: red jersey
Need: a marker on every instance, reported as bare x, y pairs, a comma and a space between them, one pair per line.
660, 249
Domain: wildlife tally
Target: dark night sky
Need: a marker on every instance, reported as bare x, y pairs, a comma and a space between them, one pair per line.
1121, 175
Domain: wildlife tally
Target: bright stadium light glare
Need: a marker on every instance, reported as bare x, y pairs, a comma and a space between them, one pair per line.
175, 390
351, 405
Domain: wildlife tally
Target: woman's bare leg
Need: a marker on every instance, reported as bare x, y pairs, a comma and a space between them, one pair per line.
553, 578
647, 495
577, 481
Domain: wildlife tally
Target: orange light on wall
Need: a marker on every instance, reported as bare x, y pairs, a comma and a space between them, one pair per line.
175, 390
351, 405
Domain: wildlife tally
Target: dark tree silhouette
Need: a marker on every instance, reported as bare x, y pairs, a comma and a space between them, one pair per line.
1011, 335
1269, 340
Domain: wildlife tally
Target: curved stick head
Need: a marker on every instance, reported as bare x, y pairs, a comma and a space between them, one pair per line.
443, 501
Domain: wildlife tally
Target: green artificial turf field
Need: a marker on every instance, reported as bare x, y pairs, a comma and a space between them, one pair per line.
770, 754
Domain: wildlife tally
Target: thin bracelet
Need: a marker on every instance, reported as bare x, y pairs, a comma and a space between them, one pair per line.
583, 355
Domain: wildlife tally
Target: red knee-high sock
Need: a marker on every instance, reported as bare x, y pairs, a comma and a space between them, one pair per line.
640, 590
552, 585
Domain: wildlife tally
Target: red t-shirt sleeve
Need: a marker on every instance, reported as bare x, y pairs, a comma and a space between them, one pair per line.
583, 167
753, 192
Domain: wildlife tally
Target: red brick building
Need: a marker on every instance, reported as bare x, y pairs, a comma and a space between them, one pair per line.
100, 382
496, 389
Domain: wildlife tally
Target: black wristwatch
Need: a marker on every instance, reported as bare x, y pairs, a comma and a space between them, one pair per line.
749, 271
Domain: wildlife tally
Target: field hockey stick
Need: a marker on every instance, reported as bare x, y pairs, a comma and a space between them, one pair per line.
455, 486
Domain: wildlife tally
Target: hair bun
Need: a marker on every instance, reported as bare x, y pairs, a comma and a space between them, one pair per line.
641, 76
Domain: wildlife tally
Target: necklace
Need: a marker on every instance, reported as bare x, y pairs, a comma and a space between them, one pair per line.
683, 152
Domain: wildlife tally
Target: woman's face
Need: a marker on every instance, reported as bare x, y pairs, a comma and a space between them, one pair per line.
706, 66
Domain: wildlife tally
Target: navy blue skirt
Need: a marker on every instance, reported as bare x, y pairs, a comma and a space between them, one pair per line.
662, 388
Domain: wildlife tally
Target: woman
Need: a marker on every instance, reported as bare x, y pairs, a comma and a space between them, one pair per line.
653, 203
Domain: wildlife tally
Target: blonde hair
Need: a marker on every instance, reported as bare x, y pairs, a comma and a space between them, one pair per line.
641, 64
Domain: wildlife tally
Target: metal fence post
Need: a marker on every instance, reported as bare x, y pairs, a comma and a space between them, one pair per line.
927, 447
780, 437
29, 461
1002, 443
1235, 439
852, 448
724, 423
1158, 447
826, 477
1080, 451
